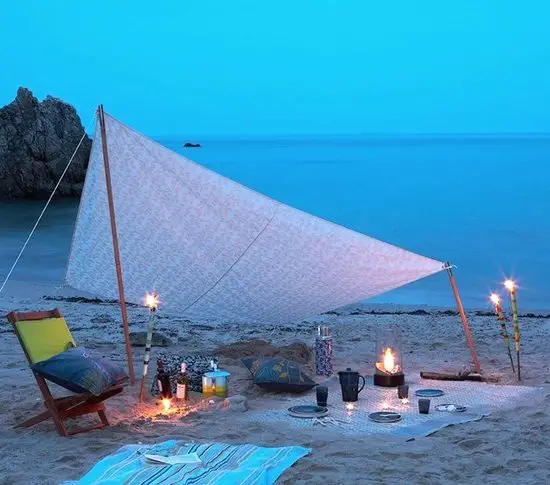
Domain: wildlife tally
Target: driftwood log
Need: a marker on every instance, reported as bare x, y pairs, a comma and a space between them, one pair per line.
438, 376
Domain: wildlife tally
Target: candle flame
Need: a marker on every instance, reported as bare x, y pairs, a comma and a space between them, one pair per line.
389, 360
495, 299
166, 403
385, 405
151, 300
510, 285
405, 400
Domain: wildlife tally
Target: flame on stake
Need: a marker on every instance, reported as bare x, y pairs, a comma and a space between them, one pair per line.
495, 299
151, 301
510, 285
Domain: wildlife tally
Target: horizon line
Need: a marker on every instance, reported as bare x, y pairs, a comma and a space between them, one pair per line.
360, 134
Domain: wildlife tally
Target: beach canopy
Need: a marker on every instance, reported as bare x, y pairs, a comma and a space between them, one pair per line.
212, 248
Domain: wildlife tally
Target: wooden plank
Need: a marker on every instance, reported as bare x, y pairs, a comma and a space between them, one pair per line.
14, 317
35, 420
85, 430
81, 409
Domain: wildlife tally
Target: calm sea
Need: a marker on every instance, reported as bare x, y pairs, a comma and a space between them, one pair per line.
481, 202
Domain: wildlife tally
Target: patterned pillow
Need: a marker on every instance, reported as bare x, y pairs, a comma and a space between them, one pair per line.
278, 374
197, 365
80, 371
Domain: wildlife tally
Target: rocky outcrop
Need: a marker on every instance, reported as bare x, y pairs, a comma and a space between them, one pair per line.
37, 139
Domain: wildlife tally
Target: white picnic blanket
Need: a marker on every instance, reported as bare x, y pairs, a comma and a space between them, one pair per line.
480, 398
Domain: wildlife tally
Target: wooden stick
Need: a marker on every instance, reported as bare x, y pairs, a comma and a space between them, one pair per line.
438, 376
464, 318
116, 249
504, 333
148, 343
516, 327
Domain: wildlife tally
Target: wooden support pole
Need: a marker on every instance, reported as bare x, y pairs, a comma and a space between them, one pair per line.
116, 250
463, 317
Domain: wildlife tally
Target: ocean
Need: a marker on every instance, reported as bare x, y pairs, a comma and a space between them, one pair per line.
481, 202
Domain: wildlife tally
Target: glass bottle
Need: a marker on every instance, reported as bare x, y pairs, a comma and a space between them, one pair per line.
163, 380
182, 389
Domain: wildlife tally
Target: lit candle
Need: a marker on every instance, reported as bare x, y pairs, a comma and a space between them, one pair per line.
503, 330
166, 404
511, 287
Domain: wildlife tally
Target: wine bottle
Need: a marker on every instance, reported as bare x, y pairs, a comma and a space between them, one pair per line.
182, 390
163, 380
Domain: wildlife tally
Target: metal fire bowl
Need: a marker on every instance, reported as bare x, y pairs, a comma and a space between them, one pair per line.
389, 380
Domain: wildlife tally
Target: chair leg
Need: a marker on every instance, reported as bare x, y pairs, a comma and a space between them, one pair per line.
35, 420
103, 417
60, 427
42, 417
59, 423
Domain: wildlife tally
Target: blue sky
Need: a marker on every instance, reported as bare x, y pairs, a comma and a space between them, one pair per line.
301, 66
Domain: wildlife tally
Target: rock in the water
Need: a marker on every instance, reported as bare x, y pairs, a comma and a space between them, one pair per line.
159, 340
37, 139
103, 318
191, 145
237, 404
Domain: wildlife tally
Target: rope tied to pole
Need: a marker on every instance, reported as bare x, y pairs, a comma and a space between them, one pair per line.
45, 207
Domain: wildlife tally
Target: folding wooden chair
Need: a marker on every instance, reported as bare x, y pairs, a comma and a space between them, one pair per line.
43, 335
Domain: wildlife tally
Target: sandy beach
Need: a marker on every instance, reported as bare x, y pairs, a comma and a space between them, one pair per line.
256, 168
505, 447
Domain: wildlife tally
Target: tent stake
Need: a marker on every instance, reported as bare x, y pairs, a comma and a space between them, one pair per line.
463, 317
116, 250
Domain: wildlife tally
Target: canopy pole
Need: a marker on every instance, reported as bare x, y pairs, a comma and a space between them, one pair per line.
116, 250
463, 317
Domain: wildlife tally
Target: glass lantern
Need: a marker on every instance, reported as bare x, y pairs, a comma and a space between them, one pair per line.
215, 383
388, 370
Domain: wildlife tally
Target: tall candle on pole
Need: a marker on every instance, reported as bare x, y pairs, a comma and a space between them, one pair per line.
503, 330
511, 287
151, 302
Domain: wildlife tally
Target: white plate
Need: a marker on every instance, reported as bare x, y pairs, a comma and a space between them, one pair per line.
451, 408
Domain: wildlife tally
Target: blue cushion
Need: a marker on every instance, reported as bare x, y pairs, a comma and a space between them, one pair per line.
278, 374
80, 371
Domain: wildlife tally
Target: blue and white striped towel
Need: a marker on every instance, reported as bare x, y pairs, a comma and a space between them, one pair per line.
222, 464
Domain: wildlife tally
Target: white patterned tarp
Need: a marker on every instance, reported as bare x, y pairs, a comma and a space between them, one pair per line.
480, 398
213, 248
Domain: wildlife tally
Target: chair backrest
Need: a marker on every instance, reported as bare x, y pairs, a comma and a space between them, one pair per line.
41, 334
